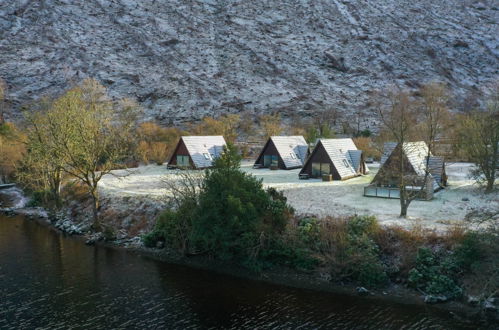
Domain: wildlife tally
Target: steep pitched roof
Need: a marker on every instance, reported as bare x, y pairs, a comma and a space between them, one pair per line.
356, 157
387, 151
292, 149
436, 168
338, 152
204, 149
416, 153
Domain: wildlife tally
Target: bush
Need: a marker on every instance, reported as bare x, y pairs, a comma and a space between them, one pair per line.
236, 215
433, 274
347, 248
155, 142
174, 227
469, 252
363, 225
39, 198
287, 252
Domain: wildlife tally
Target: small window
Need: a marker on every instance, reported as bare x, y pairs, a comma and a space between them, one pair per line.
293, 155
212, 156
345, 163
207, 156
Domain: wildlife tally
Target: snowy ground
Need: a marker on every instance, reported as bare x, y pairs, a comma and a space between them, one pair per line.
314, 197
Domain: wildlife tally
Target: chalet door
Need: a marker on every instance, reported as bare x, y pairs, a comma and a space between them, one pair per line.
274, 161
267, 160
182, 161
325, 168
318, 169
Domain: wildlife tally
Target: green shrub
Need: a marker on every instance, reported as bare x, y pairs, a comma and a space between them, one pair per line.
363, 225
469, 252
236, 216
308, 231
39, 198
173, 227
347, 248
434, 274
150, 239
286, 251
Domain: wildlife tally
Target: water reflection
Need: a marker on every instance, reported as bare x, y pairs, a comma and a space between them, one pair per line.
49, 281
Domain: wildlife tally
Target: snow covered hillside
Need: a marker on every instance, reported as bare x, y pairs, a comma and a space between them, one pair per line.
183, 59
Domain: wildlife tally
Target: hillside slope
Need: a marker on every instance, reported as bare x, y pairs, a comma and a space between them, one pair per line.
183, 59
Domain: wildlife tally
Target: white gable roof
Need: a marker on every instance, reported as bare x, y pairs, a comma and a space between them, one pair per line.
416, 153
387, 151
204, 149
292, 149
344, 155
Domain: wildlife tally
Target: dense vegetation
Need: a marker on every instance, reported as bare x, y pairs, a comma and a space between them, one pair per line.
230, 217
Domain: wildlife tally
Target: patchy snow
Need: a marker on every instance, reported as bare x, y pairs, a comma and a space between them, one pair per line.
186, 59
336, 198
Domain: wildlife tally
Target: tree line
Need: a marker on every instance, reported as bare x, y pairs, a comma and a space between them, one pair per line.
83, 134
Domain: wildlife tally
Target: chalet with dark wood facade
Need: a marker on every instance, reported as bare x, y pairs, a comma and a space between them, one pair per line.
421, 174
283, 152
339, 158
197, 152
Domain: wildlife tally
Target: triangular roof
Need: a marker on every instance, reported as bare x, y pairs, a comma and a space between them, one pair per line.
292, 149
344, 155
416, 154
436, 166
387, 151
204, 149
338, 151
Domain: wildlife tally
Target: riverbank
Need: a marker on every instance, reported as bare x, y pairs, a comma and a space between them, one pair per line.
69, 284
312, 280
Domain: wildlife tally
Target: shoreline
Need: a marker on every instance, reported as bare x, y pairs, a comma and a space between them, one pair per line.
281, 276
312, 281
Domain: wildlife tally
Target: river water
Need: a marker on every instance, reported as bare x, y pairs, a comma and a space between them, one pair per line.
51, 281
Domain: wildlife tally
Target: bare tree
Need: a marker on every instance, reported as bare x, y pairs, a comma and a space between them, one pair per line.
3, 93
433, 113
399, 118
42, 168
478, 132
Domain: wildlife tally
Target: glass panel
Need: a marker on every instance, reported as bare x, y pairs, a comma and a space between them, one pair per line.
394, 193
325, 168
316, 170
383, 192
274, 160
267, 159
182, 160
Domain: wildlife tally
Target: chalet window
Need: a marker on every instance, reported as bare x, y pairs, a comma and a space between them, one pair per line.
207, 156
293, 155
270, 160
183, 161
345, 163
274, 160
318, 169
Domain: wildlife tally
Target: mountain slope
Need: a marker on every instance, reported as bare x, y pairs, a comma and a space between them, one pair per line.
183, 59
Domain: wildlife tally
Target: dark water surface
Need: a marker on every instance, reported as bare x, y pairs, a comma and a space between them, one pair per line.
49, 281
